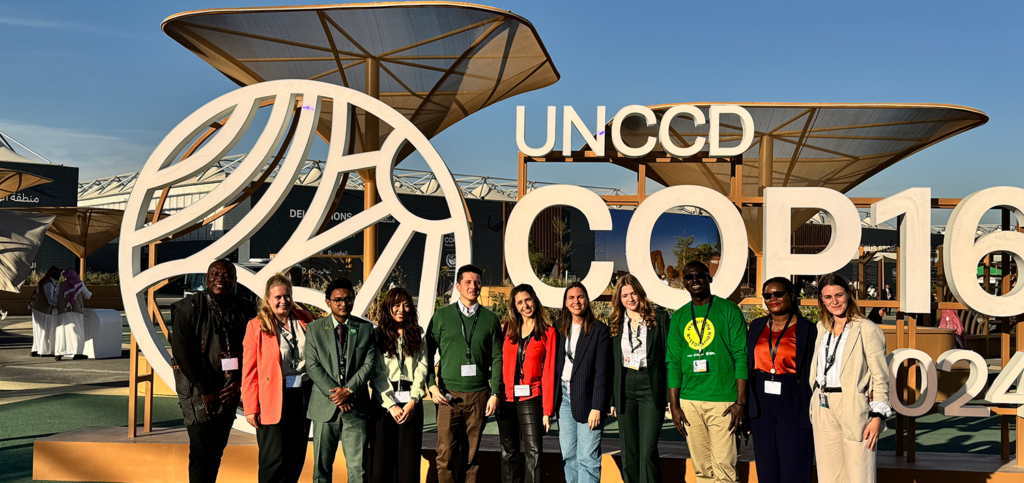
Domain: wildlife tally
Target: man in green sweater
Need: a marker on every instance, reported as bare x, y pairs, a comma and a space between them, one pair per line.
468, 377
707, 363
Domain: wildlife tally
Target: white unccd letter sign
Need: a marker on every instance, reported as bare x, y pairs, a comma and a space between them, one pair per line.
778, 229
732, 236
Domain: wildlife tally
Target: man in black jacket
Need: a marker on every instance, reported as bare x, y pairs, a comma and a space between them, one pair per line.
206, 341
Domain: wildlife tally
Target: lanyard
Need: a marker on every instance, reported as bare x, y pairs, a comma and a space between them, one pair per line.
401, 357
524, 342
293, 343
469, 355
703, 325
831, 361
773, 349
639, 343
568, 346
218, 317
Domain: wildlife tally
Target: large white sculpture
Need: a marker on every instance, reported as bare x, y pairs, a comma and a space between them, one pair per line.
242, 105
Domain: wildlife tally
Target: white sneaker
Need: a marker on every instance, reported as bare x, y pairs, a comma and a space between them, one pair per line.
3, 314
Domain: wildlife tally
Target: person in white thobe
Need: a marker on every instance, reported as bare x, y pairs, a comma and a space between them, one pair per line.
70, 340
44, 308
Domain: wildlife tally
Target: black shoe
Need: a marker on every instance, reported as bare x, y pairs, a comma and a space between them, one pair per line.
35, 354
79, 357
57, 358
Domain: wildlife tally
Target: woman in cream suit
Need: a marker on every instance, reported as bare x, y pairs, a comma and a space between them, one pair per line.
851, 387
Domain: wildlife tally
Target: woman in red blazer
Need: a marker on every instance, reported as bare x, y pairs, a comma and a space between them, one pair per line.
275, 388
528, 379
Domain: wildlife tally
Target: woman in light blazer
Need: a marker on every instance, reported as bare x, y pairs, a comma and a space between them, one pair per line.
639, 378
275, 388
851, 387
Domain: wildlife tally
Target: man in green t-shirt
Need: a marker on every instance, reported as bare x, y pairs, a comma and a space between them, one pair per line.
468, 339
707, 375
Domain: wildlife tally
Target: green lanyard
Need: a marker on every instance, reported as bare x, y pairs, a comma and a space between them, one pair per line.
703, 325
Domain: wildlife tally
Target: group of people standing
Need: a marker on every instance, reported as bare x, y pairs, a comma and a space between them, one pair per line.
806, 390
58, 318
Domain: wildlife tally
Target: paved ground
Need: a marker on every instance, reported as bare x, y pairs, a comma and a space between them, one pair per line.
40, 397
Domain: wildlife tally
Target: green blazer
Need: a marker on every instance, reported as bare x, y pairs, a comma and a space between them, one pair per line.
657, 337
322, 365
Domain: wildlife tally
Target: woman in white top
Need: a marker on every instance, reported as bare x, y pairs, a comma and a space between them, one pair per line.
399, 388
69, 335
639, 378
851, 387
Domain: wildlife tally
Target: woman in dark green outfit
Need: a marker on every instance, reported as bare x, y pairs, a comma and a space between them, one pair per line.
639, 333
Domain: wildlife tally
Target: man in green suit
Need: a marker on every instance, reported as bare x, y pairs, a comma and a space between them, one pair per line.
341, 354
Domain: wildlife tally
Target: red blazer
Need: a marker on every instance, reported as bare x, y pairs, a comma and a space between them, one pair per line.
538, 369
262, 381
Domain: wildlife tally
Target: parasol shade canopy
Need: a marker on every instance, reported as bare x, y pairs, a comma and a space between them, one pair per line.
434, 62
836, 146
21, 235
13, 181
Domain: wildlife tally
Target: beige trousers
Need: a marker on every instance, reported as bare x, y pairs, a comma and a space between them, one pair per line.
712, 445
839, 460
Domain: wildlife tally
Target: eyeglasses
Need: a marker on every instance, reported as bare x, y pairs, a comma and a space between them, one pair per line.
777, 294
689, 277
347, 300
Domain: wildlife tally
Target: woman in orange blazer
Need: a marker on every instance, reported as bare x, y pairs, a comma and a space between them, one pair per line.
275, 388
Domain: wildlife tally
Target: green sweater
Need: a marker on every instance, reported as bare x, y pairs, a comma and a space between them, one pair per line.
724, 347
445, 333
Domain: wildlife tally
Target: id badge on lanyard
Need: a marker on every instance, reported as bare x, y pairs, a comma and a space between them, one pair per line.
700, 366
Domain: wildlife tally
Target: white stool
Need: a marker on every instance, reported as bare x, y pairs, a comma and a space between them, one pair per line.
102, 333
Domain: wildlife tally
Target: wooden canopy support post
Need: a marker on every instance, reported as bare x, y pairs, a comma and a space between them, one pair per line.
134, 379
521, 184
766, 158
371, 142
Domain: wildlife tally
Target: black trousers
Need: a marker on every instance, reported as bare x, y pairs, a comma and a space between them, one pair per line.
525, 418
784, 451
206, 443
283, 445
398, 448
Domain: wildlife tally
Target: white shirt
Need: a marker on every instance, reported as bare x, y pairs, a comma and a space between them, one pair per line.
628, 353
832, 378
573, 339
467, 311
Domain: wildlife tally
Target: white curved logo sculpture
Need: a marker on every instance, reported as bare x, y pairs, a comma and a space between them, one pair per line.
242, 105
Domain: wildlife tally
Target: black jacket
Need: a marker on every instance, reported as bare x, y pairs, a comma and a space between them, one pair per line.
591, 376
806, 334
657, 338
197, 347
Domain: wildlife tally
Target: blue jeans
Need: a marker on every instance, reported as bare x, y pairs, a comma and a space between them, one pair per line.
581, 447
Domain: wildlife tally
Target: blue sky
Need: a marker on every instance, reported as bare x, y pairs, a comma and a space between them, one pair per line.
98, 85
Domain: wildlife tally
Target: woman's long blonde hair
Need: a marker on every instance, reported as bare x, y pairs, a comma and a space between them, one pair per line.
265, 313
853, 312
646, 309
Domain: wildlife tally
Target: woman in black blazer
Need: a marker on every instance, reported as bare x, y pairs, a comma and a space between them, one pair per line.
780, 349
639, 383
581, 396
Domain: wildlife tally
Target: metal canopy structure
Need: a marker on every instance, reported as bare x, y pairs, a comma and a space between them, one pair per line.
434, 62
836, 146
13, 181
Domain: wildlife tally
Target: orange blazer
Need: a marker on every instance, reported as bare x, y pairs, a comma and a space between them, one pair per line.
262, 381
